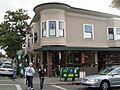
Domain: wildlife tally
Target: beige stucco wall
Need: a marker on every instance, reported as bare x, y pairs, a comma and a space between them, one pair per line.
74, 36
53, 15
114, 22
28, 49
74, 28
35, 28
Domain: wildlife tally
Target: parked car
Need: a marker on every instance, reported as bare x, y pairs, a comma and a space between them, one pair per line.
1, 64
106, 78
6, 69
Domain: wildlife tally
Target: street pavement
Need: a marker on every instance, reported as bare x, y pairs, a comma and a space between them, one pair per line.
51, 83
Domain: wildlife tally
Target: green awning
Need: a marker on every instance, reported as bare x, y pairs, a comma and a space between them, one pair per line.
79, 48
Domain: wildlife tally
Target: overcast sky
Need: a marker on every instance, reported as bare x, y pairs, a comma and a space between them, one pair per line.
95, 5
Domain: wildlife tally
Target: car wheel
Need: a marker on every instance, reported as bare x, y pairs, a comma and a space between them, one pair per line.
105, 85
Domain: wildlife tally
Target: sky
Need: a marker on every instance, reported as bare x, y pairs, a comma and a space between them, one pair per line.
94, 5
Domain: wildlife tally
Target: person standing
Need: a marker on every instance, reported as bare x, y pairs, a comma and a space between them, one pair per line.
41, 72
29, 71
14, 66
21, 69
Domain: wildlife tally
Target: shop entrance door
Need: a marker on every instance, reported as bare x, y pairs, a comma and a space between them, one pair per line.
55, 59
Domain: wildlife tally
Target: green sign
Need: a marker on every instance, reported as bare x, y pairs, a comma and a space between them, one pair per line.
64, 72
70, 72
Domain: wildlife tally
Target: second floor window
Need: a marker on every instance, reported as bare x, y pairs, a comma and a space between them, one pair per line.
61, 29
44, 33
111, 33
118, 33
88, 31
35, 37
52, 28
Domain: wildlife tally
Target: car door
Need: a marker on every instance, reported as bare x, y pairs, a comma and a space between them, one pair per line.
115, 78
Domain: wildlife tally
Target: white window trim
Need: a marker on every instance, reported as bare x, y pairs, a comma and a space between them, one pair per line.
34, 36
114, 30
63, 29
92, 31
57, 28
41, 29
115, 33
108, 32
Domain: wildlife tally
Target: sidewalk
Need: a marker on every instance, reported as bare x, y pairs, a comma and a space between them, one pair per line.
51, 80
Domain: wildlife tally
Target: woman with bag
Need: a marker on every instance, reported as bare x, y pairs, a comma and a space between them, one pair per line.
29, 71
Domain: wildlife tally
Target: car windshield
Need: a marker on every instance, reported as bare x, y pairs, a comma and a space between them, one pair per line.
6, 66
105, 71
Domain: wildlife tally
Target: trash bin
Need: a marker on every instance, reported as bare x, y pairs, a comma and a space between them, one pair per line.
76, 72
64, 73
71, 73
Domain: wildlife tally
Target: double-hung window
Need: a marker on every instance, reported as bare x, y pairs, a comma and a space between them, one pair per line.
88, 31
35, 37
44, 31
118, 33
52, 28
111, 33
61, 29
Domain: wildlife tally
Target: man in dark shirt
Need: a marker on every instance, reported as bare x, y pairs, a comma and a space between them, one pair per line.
41, 72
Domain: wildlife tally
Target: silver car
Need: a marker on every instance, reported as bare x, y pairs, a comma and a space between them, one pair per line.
106, 78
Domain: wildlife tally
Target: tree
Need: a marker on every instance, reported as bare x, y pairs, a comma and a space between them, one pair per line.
1, 55
13, 31
115, 4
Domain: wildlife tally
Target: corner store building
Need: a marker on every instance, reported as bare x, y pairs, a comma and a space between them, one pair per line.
65, 36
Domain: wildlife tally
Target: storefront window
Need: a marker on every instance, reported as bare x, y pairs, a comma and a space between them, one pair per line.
81, 58
89, 59
70, 58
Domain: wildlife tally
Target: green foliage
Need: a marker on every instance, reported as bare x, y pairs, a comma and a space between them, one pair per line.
116, 4
1, 55
13, 31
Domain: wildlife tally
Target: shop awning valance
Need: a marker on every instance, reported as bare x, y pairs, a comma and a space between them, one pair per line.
78, 48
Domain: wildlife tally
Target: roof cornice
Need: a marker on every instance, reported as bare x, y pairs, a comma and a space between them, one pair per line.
68, 8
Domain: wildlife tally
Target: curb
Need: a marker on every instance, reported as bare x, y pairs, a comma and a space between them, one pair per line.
69, 83
64, 83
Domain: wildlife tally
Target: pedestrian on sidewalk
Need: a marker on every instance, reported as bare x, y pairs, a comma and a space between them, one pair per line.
29, 71
41, 72
14, 66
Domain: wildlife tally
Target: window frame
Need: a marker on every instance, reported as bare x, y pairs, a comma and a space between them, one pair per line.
44, 29
35, 37
61, 27
51, 28
116, 33
113, 33
92, 33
